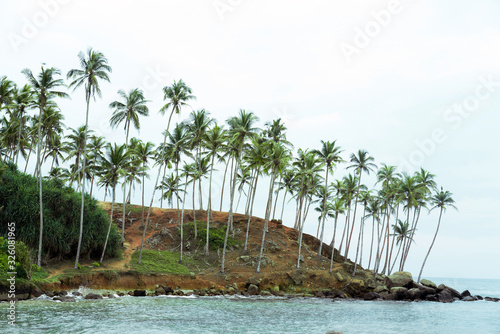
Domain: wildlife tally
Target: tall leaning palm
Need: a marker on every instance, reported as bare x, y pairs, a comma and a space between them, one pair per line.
128, 111
361, 163
329, 156
93, 68
177, 95
441, 200
44, 86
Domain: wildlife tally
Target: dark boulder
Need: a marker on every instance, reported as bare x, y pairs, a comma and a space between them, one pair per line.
36, 292
399, 279
431, 298
415, 294
445, 296
253, 290
389, 296
139, 293
478, 297
160, 291
468, 299
466, 293
93, 296
76, 293
371, 296
168, 290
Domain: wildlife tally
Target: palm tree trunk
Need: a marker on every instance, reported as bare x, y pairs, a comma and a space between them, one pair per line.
354, 217
223, 183
432, 244
266, 221
182, 220
324, 215
283, 205
252, 196
414, 228
154, 190
38, 163
300, 230
143, 177
333, 242
209, 209
27, 161
125, 185
110, 222
230, 215
277, 196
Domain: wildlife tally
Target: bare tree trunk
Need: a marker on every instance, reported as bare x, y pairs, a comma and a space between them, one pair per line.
109, 226
266, 221
432, 244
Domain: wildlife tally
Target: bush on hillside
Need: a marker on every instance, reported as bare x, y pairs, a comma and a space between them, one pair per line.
19, 200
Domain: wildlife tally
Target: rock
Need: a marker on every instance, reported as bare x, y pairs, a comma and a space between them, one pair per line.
454, 292
389, 296
265, 293
381, 289
253, 290
319, 294
297, 276
371, 283
440, 288
430, 284
339, 277
93, 296
400, 279
63, 293
49, 294
121, 294
468, 299
415, 293
130, 293
400, 292
76, 293
110, 295
466, 293
444, 296
478, 297
371, 296
349, 266
492, 299
36, 292
160, 291
139, 293
424, 290
243, 259
254, 281
168, 290
431, 298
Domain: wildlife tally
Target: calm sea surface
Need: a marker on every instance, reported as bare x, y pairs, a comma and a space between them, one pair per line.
259, 315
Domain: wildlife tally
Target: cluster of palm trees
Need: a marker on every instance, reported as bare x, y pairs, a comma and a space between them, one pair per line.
193, 149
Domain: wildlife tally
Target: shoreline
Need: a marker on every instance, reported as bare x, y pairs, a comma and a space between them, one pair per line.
396, 287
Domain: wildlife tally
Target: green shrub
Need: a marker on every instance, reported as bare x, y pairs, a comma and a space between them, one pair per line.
215, 235
22, 259
96, 264
19, 197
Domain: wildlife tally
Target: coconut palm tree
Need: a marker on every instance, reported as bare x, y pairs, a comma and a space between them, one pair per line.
241, 128
277, 159
402, 232
329, 155
128, 111
93, 68
113, 164
213, 141
338, 208
44, 87
6, 90
22, 101
177, 95
443, 201
362, 162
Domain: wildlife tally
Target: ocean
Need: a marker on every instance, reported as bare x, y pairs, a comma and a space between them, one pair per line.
236, 314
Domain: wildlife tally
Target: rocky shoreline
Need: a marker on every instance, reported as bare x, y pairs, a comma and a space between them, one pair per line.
399, 286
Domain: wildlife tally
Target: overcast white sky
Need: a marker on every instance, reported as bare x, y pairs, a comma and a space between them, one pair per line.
415, 83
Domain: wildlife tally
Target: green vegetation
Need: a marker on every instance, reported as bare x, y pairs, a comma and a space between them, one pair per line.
19, 198
21, 255
215, 235
154, 261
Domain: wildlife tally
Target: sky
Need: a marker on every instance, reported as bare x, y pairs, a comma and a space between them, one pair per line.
414, 83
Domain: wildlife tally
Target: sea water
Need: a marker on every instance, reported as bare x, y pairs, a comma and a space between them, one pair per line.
236, 314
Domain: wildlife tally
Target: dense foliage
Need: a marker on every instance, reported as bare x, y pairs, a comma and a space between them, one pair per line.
19, 199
